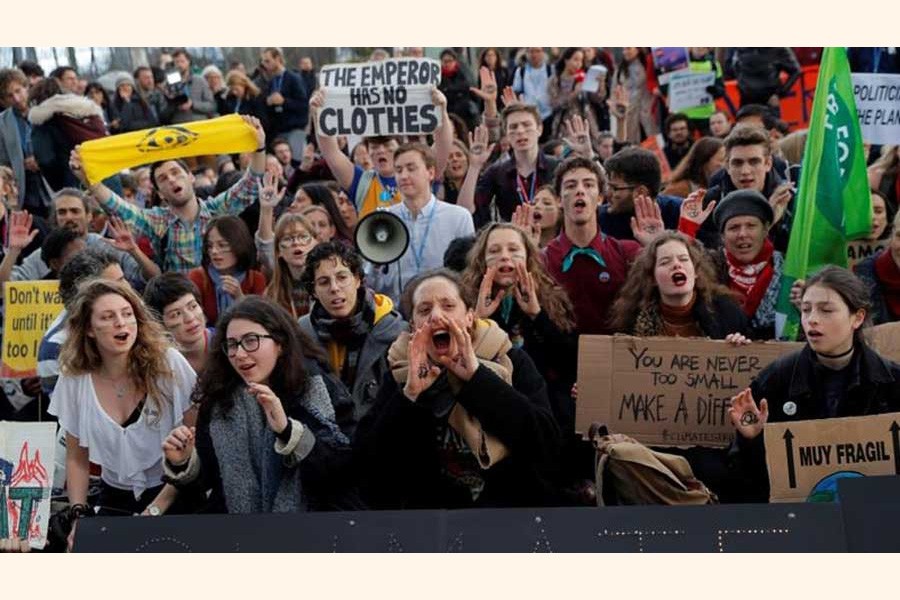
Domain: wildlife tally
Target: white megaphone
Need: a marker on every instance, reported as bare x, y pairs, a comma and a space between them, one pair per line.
381, 237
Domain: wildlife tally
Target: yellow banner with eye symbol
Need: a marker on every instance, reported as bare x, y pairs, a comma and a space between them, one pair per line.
223, 135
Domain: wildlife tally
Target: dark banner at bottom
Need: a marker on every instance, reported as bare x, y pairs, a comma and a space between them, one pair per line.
744, 528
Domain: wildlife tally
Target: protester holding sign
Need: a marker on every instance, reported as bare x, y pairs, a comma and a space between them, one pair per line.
379, 90
881, 274
462, 420
121, 389
270, 436
835, 375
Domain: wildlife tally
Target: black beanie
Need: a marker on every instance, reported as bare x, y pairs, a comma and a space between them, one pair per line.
743, 203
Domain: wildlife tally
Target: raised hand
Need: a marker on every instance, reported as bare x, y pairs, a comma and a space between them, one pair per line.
486, 304
525, 292
488, 87
309, 157
737, 339
20, 232
509, 96
258, 128
439, 99
578, 136
479, 149
271, 405
797, 292
647, 221
618, 102
523, 218
77, 166
780, 199
179, 445
232, 286
746, 417
692, 209
465, 362
269, 196
422, 373
122, 238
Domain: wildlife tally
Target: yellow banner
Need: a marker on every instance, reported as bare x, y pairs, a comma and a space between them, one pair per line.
223, 135
30, 308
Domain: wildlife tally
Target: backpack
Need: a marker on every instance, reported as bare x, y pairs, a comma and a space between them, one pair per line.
520, 70
629, 473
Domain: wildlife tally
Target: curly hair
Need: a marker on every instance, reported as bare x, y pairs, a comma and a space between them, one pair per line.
640, 290
552, 297
219, 380
147, 364
281, 284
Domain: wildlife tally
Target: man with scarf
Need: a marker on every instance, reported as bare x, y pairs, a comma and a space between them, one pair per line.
748, 263
354, 325
748, 166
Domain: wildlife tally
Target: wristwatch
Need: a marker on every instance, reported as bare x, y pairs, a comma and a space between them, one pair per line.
153, 511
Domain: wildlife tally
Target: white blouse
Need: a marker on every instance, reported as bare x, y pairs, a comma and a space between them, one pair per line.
131, 457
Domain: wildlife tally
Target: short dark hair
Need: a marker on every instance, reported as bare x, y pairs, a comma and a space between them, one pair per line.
235, 231
675, 118
182, 52
322, 252
638, 166
31, 68
55, 243
757, 110
138, 71
579, 162
160, 163
278, 141
455, 257
58, 72
83, 266
167, 288
380, 139
745, 135
550, 146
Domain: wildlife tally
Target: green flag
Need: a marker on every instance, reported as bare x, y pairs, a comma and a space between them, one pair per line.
833, 203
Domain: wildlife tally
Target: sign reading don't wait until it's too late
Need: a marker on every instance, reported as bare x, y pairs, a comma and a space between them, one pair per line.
30, 308
390, 97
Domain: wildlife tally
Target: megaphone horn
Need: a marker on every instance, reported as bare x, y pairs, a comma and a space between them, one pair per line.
381, 237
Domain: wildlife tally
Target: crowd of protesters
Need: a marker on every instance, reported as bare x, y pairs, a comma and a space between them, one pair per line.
224, 347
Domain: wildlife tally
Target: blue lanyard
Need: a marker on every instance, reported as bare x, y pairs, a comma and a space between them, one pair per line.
276, 83
417, 256
520, 187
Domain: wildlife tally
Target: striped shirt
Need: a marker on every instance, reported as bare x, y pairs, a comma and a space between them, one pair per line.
183, 241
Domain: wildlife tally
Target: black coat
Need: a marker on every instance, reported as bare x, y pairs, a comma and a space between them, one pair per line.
133, 115
294, 113
874, 389
399, 457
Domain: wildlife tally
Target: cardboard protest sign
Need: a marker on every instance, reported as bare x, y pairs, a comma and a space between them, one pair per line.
877, 98
666, 391
30, 308
687, 90
859, 250
594, 76
806, 458
390, 97
885, 340
669, 60
26, 459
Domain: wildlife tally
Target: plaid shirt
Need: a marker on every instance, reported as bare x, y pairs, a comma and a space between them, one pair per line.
184, 246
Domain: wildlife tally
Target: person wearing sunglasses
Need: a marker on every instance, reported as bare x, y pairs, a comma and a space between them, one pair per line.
273, 429
352, 323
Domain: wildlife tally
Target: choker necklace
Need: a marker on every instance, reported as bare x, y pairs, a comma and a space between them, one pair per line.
841, 355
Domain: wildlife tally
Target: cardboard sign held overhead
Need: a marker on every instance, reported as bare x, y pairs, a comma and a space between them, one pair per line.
390, 97
666, 391
26, 463
806, 458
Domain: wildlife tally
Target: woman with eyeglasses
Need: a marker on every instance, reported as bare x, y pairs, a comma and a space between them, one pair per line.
272, 431
227, 272
354, 325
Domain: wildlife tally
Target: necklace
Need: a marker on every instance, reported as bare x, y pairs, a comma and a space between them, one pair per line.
119, 388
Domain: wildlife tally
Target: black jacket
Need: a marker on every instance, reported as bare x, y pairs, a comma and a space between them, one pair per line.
865, 270
133, 115
294, 113
399, 458
874, 389
460, 101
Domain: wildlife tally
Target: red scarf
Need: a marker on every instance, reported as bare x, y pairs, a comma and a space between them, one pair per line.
888, 274
751, 280
449, 72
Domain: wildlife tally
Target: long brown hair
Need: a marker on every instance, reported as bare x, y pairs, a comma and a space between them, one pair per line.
147, 364
552, 297
281, 285
640, 290
691, 167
